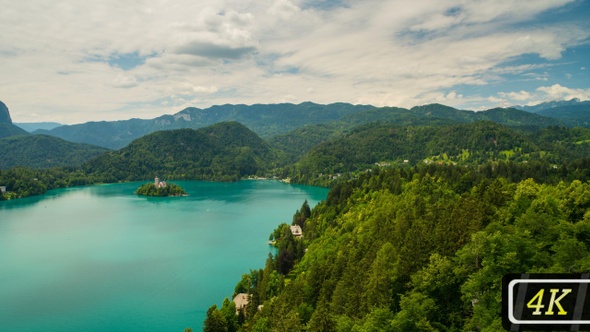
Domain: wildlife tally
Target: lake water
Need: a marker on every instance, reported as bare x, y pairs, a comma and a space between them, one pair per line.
100, 258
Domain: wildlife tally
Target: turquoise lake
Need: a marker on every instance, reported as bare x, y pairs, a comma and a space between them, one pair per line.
100, 258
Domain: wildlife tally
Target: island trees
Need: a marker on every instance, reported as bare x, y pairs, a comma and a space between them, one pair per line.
150, 189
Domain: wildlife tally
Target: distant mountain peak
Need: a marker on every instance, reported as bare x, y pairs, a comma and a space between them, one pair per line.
572, 113
552, 104
4, 114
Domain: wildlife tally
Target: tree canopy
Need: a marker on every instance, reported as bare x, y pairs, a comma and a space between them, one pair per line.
419, 249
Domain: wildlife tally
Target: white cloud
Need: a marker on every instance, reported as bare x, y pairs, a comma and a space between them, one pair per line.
205, 89
453, 95
124, 81
541, 94
217, 35
558, 92
497, 100
283, 9
399, 53
187, 88
519, 96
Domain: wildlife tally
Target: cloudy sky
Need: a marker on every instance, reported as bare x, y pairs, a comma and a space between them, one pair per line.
74, 61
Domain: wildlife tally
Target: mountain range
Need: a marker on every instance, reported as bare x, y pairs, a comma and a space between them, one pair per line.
265, 120
291, 130
573, 113
277, 119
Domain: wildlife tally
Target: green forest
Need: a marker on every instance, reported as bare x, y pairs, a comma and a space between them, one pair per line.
224, 152
417, 249
42, 151
24, 181
460, 144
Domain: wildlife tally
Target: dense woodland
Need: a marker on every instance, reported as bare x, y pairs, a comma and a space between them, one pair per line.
24, 181
42, 151
225, 152
462, 144
418, 249
8, 129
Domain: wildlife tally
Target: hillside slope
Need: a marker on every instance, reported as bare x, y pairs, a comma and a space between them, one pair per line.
41, 151
470, 143
421, 249
225, 151
300, 141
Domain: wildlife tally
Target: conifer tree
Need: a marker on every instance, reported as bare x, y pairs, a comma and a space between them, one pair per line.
215, 321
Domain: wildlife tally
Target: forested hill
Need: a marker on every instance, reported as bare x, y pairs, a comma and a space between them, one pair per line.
225, 151
42, 151
300, 141
9, 129
472, 143
108, 134
421, 249
506, 116
437, 114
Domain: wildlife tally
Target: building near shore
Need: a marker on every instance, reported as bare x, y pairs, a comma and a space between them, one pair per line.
296, 231
241, 300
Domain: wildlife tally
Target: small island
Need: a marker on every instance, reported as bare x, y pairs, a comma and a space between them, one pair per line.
160, 188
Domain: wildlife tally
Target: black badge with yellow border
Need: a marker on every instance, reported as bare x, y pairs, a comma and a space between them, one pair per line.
546, 302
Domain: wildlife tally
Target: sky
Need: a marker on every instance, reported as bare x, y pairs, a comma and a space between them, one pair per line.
72, 61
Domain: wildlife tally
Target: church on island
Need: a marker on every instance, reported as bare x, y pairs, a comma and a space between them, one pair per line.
160, 188
158, 183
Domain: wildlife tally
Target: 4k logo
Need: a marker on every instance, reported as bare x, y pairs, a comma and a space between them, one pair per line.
537, 302
546, 301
